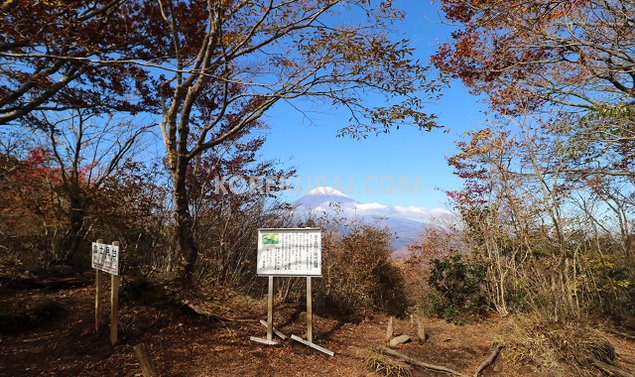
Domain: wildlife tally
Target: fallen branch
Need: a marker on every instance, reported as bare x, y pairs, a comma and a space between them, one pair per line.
611, 370
621, 333
407, 359
231, 319
51, 283
490, 359
438, 368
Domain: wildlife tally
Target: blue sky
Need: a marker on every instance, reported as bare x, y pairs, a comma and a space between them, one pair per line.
363, 168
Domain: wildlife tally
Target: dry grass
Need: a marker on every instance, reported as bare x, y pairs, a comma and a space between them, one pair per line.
557, 346
386, 366
581, 347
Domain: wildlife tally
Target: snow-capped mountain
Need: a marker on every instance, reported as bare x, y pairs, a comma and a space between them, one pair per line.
406, 223
322, 196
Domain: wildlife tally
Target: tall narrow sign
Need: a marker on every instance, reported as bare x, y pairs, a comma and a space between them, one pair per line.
105, 258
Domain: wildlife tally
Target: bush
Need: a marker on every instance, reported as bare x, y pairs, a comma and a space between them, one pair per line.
458, 284
359, 276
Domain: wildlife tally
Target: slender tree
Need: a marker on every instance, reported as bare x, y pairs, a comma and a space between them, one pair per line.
231, 62
86, 151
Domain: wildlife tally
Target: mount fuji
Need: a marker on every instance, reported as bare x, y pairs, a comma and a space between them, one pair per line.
406, 223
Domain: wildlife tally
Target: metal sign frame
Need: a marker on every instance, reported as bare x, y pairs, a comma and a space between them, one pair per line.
300, 247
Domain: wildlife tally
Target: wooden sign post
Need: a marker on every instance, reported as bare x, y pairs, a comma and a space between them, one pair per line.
98, 296
105, 258
114, 304
270, 310
309, 322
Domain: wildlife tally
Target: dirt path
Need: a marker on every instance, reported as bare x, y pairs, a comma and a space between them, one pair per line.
183, 344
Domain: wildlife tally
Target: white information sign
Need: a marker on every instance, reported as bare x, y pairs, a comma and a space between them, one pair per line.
289, 252
106, 258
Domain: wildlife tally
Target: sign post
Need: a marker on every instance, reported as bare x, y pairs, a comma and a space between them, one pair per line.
98, 296
114, 301
309, 311
105, 258
290, 252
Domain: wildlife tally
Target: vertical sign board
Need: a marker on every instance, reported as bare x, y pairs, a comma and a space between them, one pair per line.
289, 252
106, 258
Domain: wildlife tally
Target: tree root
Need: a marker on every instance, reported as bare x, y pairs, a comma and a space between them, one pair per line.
611, 370
439, 368
490, 359
621, 333
407, 359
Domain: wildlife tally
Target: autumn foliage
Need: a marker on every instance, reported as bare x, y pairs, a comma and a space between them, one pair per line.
526, 54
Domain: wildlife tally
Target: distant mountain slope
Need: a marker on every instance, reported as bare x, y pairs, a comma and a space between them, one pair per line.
406, 223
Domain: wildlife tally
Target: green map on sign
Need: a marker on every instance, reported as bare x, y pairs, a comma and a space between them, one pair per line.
270, 238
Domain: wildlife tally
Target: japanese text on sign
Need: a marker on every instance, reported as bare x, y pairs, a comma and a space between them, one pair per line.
290, 252
106, 258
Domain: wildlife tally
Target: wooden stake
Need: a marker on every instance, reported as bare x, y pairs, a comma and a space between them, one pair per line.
269, 324
390, 330
147, 365
270, 310
309, 311
114, 305
98, 295
421, 329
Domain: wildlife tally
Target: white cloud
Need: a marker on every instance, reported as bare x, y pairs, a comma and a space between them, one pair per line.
370, 206
318, 202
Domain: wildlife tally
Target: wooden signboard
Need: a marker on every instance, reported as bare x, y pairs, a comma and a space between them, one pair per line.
105, 258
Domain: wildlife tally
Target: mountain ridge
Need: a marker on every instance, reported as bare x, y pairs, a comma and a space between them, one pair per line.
405, 223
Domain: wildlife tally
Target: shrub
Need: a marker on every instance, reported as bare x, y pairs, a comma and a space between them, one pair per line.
458, 284
359, 275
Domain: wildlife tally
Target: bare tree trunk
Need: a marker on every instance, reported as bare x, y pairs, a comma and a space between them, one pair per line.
184, 232
76, 216
76, 231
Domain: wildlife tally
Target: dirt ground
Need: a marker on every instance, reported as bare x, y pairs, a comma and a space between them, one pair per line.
184, 344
